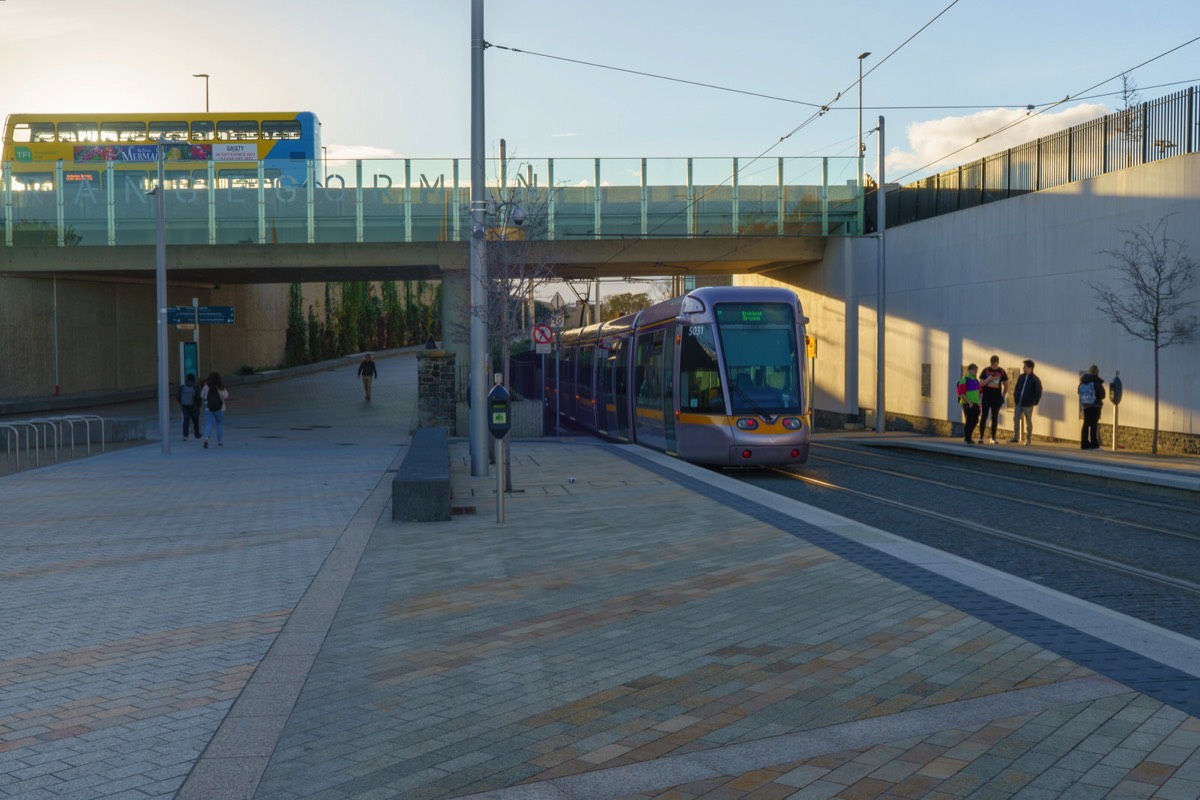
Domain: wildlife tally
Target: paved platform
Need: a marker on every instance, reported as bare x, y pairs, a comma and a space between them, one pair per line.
248, 622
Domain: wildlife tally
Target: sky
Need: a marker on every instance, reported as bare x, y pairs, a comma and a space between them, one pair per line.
567, 79
391, 78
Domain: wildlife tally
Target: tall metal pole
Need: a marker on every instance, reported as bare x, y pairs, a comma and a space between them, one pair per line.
479, 385
861, 147
160, 299
880, 290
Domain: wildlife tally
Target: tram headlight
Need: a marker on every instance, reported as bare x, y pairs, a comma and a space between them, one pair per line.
747, 424
792, 423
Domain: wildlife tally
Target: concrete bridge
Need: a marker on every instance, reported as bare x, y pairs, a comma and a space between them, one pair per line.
409, 219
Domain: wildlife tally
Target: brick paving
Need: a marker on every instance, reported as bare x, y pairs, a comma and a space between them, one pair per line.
249, 623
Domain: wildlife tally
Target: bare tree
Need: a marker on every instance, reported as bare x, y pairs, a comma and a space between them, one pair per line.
1129, 121
1151, 298
518, 215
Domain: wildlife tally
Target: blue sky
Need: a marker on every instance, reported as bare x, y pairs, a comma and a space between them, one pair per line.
391, 78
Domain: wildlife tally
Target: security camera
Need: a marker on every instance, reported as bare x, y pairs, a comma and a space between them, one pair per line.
518, 216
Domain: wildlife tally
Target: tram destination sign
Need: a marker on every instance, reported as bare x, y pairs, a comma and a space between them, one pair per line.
208, 315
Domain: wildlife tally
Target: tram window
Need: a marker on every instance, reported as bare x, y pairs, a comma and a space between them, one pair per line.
280, 129
239, 130
203, 130
699, 373
172, 131
649, 370
78, 132
122, 131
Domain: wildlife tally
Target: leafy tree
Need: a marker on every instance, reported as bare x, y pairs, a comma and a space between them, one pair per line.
619, 305
1151, 298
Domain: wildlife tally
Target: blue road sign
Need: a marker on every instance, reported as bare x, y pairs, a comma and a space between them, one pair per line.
208, 315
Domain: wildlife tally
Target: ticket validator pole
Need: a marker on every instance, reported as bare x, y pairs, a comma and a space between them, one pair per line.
499, 405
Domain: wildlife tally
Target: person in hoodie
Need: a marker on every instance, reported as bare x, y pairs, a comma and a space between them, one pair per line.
1091, 400
968, 398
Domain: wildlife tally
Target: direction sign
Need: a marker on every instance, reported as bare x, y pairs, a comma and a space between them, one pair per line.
208, 315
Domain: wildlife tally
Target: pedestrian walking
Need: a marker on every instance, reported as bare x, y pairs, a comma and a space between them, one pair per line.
214, 397
1026, 395
367, 371
1091, 401
968, 398
993, 383
189, 404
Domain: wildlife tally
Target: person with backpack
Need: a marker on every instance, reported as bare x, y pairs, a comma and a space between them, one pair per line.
968, 398
1091, 400
213, 396
189, 403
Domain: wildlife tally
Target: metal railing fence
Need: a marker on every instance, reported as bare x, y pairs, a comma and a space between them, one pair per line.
1151, 131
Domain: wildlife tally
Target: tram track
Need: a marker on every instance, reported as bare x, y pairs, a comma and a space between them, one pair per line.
1120, 546
1059, 508
1066, 552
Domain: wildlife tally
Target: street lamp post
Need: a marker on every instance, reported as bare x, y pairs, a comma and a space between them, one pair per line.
205, 76
160, 302
880, 291
861, 147
479, 388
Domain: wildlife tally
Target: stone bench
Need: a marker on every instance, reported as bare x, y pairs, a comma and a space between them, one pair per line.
421, 488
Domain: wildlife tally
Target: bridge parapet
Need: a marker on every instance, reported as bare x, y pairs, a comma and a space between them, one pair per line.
412, 201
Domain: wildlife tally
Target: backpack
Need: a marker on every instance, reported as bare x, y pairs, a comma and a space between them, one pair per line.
1087, 393
215, 403
187, 396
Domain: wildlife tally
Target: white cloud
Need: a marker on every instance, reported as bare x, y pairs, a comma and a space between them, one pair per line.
933, 144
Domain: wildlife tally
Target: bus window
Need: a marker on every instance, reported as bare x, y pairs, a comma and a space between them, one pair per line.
280, 129
202, 130
122, 131
173, 131
33, 132
78, 132
237, 130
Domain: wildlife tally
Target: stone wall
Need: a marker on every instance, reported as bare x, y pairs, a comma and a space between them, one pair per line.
435, 389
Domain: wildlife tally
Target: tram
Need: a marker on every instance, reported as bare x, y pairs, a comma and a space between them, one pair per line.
714, 377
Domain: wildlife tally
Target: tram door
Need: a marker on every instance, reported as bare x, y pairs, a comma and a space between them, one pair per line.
649, 381
620, 390
670, 370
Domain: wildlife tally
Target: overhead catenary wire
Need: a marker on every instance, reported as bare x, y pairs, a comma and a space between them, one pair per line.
1031, 114
821, 110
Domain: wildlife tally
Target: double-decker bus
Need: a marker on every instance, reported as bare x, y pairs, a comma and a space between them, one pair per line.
229, 143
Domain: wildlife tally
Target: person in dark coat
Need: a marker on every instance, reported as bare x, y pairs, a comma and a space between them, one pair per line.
189, 403
1026, 396
993, 383
367, 371
1091, 401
